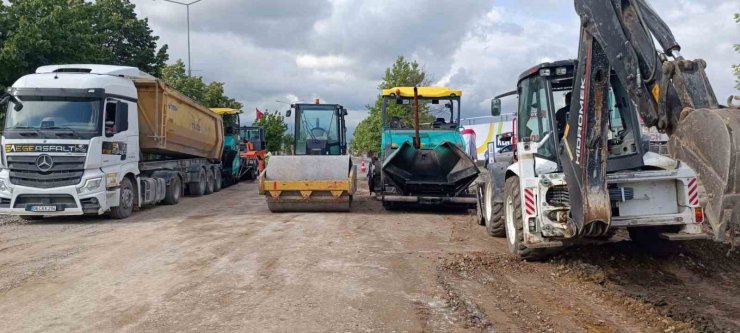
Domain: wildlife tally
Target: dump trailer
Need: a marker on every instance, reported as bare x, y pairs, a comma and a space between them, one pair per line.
422, 161
97, 139
320, 175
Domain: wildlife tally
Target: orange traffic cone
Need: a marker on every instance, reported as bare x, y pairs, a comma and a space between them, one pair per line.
362, 166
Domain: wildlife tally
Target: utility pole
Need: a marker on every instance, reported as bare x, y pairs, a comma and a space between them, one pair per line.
187, 6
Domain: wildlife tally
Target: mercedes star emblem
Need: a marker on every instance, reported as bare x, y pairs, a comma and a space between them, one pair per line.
44, 163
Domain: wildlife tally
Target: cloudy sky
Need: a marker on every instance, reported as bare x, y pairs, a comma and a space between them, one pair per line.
289, 50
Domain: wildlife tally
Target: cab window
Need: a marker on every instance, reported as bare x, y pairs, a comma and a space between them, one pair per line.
535, 122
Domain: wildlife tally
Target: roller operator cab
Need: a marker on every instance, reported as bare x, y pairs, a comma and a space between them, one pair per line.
422, 159
96, 139
527, 198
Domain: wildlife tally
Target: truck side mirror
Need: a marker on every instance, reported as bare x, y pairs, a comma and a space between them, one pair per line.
495, 107
287, 113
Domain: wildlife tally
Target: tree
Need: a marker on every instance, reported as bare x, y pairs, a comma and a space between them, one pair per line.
402, 73
736, 68
129, 40
288, 143
44, 32
275, 127
211, 95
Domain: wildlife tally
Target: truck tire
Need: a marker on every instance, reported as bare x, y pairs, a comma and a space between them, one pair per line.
198, 188
493, 213
210, 181
174, 191
514, 225
218, 182
125, 201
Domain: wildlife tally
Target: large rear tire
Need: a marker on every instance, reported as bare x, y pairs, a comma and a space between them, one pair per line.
514, 224
218, 182
125, 201
174, 191
210, 181
493, 213
199, 187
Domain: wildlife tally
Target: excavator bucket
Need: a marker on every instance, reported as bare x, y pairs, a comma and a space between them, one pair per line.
444, 170
309, 183
708, 140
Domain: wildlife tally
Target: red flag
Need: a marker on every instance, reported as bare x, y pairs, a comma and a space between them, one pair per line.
259, 113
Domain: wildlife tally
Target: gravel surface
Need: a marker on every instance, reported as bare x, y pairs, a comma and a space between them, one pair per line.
225, 263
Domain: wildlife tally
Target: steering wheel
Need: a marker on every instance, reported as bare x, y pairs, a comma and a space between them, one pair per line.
318, 132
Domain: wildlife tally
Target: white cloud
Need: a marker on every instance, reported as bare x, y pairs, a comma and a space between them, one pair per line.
321, 62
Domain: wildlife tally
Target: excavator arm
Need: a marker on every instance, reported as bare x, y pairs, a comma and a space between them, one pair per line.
617, 47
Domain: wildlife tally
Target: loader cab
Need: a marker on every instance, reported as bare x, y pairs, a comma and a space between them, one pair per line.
545, 99
320, 129
255, 136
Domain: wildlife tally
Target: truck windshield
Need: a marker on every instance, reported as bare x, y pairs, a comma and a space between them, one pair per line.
41, 113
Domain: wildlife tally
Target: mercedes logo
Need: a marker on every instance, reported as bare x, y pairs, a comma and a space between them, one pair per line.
44, 163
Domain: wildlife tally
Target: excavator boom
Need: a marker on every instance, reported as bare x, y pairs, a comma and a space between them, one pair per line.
671, 93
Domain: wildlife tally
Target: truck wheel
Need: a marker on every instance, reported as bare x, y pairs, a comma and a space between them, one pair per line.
493, 212
125, 201
199, 187
218, 182
210, 181
514, 225
174, 190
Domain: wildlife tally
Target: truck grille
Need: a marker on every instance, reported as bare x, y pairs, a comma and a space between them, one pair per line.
66, 170
558, 196
62, 201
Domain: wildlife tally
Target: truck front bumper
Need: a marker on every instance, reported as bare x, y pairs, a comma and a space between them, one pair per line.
66, 200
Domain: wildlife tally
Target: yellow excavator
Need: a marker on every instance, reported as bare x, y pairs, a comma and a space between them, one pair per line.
319, 176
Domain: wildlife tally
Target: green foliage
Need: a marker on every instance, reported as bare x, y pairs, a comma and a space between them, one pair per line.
275, 127
403, 73
288, 143
211, 95
44, 32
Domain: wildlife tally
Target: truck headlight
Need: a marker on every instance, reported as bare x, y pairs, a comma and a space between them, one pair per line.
4, 188
91, 185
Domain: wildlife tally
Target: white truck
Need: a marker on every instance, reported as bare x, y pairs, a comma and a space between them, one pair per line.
97, 139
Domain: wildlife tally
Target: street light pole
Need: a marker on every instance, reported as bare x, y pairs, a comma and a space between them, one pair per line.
187, 6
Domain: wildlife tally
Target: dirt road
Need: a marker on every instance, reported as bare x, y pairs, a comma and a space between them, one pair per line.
225, 263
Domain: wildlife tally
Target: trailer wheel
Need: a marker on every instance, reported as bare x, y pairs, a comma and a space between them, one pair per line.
493, 212
210, 181
125, 201
217, 182
198, 188
514, 225
174, 190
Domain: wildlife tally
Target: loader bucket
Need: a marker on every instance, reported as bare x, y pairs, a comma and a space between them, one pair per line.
445, 170
708, 141
310, 183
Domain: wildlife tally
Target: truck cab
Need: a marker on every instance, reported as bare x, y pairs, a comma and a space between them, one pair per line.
96, 139
651, 195
69, 138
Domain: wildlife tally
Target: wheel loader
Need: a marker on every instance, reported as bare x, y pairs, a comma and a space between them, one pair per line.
320, 176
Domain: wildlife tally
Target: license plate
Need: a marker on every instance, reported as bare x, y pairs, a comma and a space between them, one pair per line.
43, 208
